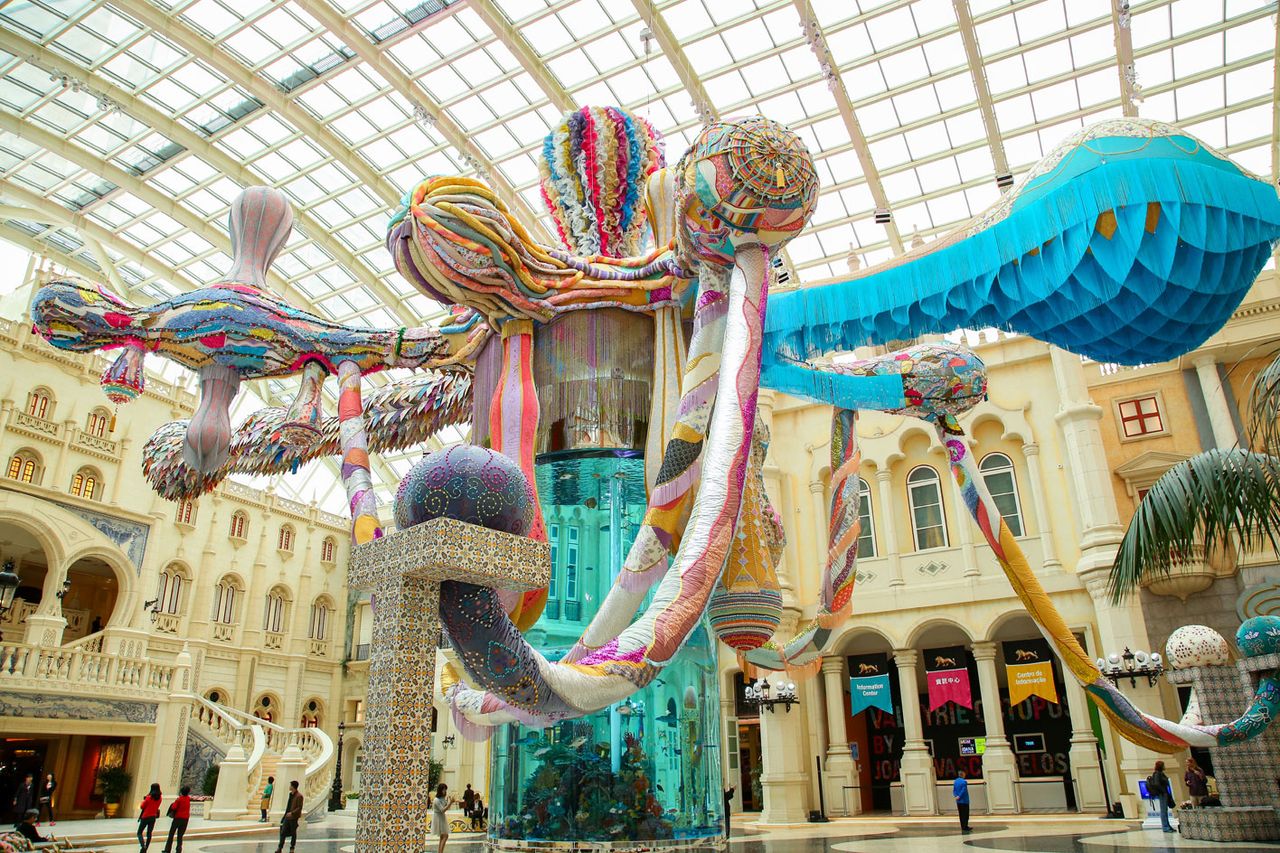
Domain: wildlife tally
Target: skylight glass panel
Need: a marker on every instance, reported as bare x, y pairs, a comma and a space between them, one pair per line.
708, 55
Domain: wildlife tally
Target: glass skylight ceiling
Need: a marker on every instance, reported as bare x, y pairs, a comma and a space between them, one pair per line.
142, 118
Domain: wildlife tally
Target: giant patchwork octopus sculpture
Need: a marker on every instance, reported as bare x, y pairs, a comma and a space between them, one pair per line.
1131, 242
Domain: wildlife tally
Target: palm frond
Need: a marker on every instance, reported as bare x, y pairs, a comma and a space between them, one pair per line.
1264, 408
1213, 500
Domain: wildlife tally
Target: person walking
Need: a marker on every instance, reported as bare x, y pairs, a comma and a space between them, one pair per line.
25, 798
1159, 788
439, 814
292, 815
729, 793
960, 790
179, 817
266, 798
46, 799
148, 812
1197, 783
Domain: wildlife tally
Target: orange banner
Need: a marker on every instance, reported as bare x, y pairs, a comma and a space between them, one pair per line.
1031, 679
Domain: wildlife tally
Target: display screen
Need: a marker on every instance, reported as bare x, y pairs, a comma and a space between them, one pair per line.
1029, 743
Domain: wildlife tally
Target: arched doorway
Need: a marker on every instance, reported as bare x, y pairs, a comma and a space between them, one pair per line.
31, 560
90, 595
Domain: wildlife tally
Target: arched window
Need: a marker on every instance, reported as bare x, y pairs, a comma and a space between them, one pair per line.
571, 563
40, 403
173, 581
997, 473
273, 618
265, 708
24, 466
312, 714
98, 422
87, 483
185, 512
867, 535
320, 612
928, 521
327, 549
239, 524
225, 598
285, 541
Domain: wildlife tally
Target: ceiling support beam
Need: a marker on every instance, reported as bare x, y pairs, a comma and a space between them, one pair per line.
108, 265
340, 26
89, 229
81, 157
23, 240
533, 64
167, 126
670, 45
817, 41
1121, 22
986, 107
178, 31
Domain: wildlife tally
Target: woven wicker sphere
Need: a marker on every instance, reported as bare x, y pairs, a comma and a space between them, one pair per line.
470, 484
743, 180
1259, 636
1196, 645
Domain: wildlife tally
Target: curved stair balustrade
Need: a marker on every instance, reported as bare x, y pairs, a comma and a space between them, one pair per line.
268, 743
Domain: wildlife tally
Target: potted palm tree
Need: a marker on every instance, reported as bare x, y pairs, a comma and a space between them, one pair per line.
1221, 499
115, 783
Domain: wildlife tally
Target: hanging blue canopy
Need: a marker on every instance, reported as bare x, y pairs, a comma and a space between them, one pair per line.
1131, 243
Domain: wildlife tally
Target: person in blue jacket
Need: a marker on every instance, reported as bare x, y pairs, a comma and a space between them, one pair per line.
960, 790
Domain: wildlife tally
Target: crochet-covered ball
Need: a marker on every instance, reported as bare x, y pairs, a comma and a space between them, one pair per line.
744, 178
1259, 636
1196, 645
470, 484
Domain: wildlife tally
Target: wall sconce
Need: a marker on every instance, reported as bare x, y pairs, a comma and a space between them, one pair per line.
152, 607
66, 585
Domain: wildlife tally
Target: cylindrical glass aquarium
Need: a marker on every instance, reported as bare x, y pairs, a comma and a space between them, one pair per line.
645, 772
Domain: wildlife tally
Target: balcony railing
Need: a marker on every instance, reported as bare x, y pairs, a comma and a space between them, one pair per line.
166, 623
318, 648
97, 443
224, 632
360, 652
34, 424
273, 641
22, 665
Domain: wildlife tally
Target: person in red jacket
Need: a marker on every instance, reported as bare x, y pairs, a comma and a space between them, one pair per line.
148, 811
180, 812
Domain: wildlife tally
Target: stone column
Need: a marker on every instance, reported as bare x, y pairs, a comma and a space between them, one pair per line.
999, 765
1044, 524
46, 626
172, 719
818, 509
840, 768
1088, 469
1215, 401
1086, 769
916, 768
785, 765
884, 480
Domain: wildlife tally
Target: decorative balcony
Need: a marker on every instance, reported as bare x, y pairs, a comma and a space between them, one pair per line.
224, 633
38, 427
99, 445
166, 623
272, 641
318, 648
78, 670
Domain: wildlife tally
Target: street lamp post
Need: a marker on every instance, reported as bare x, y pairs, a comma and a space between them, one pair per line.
336, 802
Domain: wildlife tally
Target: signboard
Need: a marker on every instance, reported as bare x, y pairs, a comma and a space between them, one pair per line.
947, 676
869, 685
1029, 667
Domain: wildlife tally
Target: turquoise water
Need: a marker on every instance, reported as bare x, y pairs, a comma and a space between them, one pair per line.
645, 769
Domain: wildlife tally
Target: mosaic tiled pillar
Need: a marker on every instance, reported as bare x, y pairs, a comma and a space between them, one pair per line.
403, 571
1245, 772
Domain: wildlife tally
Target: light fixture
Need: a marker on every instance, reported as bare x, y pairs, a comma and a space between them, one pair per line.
8, 586
66, 585
760, 695
152, 607
1132, 665
336, 800
447, 741
646, 38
